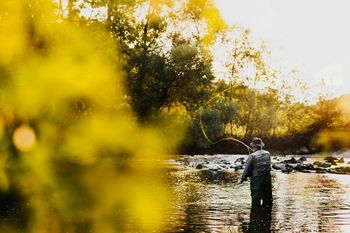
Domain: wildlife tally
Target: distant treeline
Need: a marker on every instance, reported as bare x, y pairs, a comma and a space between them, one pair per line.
286, 127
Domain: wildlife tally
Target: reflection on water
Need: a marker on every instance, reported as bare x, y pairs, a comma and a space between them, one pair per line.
211, 201
260, 220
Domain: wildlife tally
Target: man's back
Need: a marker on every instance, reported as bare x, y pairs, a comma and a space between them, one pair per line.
258, 164
261, 163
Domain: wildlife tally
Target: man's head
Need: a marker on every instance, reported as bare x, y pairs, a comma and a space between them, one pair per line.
257, 144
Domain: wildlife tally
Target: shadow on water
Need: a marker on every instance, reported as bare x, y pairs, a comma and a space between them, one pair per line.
211, 201
218, 177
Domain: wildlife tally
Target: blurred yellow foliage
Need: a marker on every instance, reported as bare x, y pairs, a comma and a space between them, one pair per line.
12, 30
214, 22
338, 137
332, 140
206, 10
70, 150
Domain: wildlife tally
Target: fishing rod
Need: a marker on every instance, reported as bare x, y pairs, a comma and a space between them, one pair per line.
202, 125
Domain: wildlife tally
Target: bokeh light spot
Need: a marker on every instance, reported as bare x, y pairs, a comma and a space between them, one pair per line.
24, 138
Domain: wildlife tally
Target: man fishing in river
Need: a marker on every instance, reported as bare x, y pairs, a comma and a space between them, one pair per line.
258, 168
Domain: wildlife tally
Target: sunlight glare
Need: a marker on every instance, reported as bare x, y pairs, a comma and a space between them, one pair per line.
332, 76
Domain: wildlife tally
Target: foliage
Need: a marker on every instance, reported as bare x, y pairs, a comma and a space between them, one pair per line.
73, 159
159, 75
166, 54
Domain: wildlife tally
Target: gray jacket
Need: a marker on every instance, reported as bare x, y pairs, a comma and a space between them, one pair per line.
258, 164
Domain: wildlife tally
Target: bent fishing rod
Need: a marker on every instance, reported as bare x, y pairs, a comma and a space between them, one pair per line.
222, 139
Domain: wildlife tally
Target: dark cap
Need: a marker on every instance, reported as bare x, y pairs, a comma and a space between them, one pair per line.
257, 142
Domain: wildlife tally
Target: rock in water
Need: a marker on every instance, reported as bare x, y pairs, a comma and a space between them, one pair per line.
240, 160
236, 167
330, 159
340, 170
291, 160
225, 162
287, 170
322, 165
326, 165
304, 167
320, 170
279, 166
318, 163
341, 160
199, 166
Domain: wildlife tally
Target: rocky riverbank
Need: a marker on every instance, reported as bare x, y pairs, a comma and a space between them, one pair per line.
329, 164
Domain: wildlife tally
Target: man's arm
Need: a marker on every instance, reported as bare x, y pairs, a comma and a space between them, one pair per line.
247, 169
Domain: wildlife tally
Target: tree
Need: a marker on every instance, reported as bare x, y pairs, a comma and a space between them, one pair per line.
163, 65
327, 113
246, 65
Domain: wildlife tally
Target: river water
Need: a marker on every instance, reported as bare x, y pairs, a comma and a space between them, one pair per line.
211, 201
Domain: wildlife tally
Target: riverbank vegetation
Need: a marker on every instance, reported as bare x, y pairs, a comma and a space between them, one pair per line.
167, 51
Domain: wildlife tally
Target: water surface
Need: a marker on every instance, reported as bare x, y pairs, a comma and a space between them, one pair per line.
211, 201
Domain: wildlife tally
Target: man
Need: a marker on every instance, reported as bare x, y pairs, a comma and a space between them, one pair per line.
258, 168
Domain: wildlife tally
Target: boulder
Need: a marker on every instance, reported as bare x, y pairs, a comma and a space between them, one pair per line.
291, 161
340, 170
341, 160
346, 170
304, 167
199, 166
309, 166
236, 167
318, 163
279, 166
302, 159
240, 160
320, 170
287, 170
225, 162
323, 165
291, 165
326, 165
330, 159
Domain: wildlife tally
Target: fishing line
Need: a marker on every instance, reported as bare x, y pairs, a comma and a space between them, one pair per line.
202, 125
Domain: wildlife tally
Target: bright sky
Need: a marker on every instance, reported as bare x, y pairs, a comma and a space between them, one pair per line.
312, 36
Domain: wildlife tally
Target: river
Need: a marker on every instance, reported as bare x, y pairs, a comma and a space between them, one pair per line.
211, 201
